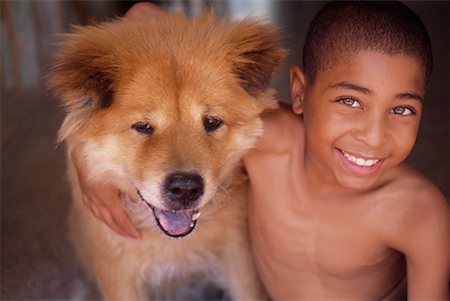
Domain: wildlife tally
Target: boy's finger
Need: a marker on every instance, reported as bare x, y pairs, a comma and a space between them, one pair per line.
109, 221
102, 215
105, 196
115, 228
122, 220
119, 216
113, 216
95, 211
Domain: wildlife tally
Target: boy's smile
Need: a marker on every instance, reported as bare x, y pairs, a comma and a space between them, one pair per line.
361, 117
358, 165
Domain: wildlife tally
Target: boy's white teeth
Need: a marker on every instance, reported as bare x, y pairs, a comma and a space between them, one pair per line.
360, 161
196, 215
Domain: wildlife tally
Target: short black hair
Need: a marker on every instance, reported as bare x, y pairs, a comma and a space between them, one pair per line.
345, 27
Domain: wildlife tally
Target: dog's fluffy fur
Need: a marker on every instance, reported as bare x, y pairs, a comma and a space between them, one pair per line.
159, 103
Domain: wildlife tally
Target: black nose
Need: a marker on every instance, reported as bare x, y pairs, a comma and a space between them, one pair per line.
183, 188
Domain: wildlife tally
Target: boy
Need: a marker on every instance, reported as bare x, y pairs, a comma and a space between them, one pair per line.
334, 212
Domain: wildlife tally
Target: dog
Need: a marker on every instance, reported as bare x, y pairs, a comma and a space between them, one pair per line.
165, 109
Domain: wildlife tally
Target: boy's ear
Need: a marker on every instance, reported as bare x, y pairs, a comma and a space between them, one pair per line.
298, 86
256, 54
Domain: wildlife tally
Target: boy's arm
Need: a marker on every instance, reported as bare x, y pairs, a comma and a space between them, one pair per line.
425, 242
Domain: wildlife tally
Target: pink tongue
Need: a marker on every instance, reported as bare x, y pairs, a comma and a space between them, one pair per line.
175, 223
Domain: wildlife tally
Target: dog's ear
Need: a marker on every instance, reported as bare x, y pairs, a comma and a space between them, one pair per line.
82, 77
256, 53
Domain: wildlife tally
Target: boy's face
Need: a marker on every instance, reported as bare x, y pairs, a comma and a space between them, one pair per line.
361, 117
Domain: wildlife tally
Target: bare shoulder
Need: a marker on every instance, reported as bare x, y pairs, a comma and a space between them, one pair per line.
415, 195
421, 192
281, 128
413, 204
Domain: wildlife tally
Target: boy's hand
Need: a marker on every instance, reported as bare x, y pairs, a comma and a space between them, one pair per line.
104, 202
143, 10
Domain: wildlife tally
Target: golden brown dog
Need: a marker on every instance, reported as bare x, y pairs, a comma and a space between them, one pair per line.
164, 110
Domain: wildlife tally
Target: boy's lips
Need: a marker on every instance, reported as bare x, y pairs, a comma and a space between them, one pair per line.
360, 161
358, 164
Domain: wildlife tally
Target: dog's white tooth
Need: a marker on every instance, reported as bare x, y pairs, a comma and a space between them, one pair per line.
192, 224
195, 216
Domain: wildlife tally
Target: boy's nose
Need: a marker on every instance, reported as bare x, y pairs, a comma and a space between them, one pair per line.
373, 130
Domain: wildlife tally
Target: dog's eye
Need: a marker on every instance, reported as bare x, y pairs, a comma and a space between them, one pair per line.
212, 123
142, 127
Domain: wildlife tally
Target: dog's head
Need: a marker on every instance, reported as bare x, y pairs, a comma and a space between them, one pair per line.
166, 107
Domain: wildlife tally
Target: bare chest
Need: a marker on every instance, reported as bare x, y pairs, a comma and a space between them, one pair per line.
333, 242
321, 251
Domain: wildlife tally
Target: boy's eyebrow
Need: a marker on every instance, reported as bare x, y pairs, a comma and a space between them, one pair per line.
352, 86
410, 95
358, 88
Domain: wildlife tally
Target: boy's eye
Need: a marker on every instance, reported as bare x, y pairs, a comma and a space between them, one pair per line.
350, 102
404, 111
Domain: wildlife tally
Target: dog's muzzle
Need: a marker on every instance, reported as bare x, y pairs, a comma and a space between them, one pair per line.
182, 192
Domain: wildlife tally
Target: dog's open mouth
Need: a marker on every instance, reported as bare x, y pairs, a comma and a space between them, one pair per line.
176, 223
